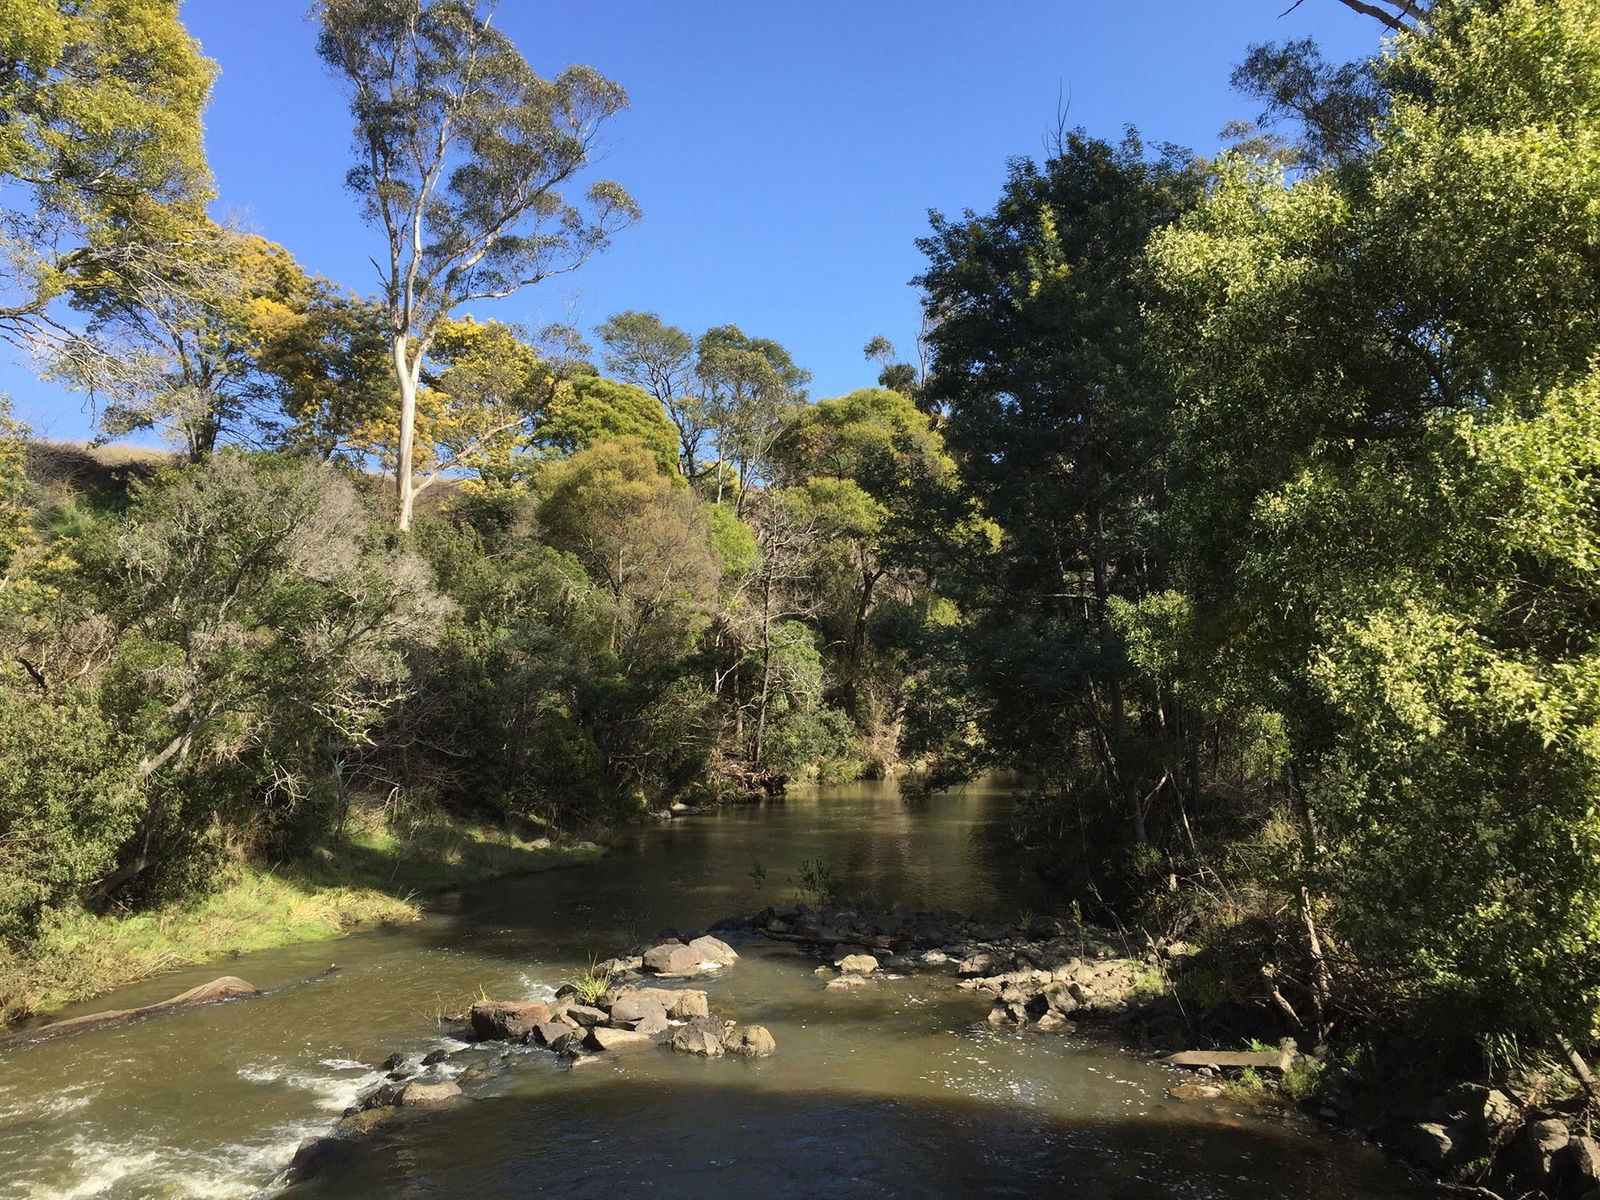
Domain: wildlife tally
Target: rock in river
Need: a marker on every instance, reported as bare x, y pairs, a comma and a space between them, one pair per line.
699, 1035
414, 1094
672, 959
748, 1041
508, 1021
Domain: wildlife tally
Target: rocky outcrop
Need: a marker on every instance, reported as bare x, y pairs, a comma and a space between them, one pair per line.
1044, 973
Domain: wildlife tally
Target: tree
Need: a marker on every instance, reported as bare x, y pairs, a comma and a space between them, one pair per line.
749, 386
1054, 406
588, 409
222, 645
643, 350
1399, 560
902, 377
641, 535
102, 102
461, 154
867, 465
482, 387
175, 331
325, 369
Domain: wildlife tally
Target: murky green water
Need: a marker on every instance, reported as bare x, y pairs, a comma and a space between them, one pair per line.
901, 1090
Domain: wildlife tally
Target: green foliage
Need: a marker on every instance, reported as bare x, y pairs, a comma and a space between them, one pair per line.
102, 134
1399, 562
237, 629
591, 409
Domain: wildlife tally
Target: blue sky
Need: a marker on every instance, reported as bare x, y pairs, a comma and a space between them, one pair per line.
785, 154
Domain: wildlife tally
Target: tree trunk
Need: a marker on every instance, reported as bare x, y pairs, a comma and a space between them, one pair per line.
404, 492
858, 643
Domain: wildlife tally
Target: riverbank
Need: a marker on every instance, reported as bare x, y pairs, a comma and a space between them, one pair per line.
378, 874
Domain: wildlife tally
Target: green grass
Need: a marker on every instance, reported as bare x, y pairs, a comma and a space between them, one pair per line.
591, 984
374, 877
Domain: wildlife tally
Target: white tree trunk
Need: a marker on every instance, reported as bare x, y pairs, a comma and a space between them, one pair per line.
403, 484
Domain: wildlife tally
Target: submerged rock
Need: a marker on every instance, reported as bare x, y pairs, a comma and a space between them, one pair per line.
847, 983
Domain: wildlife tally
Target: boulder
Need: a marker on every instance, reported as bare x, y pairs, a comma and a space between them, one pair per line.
672, 959
384, 1097
1060, 999
714, 950
699, 1035
688, 1004
508, 1021
603, 1038
586, 1014
547, 1032
1579, 1165
1429, 1145
858, 964
653, 1024
565, 1043
748, 1041
636, 1007
976, 964
364, 1121
1537, 1149
1259, 1060
415, 1094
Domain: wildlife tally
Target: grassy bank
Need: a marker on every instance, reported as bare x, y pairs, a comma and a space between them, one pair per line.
376, 875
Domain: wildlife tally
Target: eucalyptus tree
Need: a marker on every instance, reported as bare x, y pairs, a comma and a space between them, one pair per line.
750, 385
645, 351
462, 152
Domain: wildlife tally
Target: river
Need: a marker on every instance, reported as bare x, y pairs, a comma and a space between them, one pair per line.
900, 1090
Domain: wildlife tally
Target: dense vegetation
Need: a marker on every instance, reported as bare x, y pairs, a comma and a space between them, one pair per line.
1293, 608
1247, 506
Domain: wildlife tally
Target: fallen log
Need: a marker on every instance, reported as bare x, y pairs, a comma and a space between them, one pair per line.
1220, 1060
229, 987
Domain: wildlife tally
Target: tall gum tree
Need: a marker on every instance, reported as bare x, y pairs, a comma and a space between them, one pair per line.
462, 154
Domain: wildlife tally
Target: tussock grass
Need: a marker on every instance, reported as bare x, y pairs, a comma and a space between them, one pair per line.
374, 877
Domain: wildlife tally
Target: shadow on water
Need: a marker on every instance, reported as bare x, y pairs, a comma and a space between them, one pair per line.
734, 1140
953, 852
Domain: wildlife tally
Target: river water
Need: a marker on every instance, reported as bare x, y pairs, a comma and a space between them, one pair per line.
900, 1090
